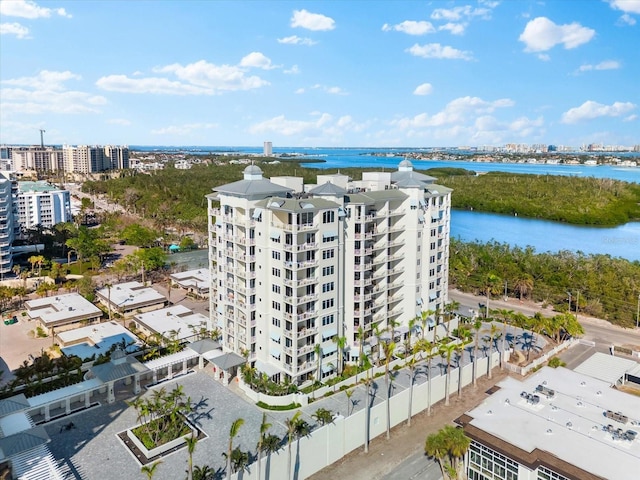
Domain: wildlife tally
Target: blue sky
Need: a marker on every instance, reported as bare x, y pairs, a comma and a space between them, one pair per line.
331, 73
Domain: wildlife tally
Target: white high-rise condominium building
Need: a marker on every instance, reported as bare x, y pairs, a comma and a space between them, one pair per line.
40, 203
44, 159
7, 223
297, 266
267, 149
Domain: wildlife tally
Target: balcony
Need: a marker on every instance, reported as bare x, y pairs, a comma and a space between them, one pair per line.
305, 349
362, 267
300, 248
366, 236
305, 332
362, 283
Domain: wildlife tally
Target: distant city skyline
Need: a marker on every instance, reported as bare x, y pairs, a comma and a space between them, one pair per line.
320, 74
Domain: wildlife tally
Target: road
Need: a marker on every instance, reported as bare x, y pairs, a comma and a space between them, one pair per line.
417, 466
603, 333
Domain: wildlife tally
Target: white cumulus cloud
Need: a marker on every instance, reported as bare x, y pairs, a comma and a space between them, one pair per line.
605, 65
47, 92
411, 27
296, 40
627, 6
257, 60
294, 70
14, 28
458, 13
29, 9
435, 50
312, 21
541, 34
153, 85
424, 89
627, 19
590, 110
454, 28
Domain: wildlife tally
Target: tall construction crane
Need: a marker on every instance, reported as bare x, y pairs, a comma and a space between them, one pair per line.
42, 137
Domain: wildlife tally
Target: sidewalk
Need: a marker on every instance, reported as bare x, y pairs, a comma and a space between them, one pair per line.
405, 441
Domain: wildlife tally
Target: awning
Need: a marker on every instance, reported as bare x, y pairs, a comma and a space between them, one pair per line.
327, 368
275, 352
275, 234
330, 234
267, 368
256, 213
420, 216
329, 349
218, 221
422, 202
432, 297
329, 333
435, 215
341, 212
419, 301
413, 202
431, 323
275, 336
401, 330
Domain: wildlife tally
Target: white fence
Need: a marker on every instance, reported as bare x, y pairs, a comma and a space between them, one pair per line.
330, 443
541, 360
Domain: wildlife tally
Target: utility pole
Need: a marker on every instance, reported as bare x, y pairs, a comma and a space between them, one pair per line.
42, 138
505, 291
569, 301
578, 303
638, 311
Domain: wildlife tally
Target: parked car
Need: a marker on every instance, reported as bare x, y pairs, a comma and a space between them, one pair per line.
11, 321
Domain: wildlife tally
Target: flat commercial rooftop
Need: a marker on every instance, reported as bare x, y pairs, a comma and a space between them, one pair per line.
130, 295
199, 279
56, 309
177, 318
571, 425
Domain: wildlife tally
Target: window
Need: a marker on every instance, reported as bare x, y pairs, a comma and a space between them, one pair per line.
275, 288
326, 238
328, 287
327, 303
327, 271
326, 254
327, 320
275, 305
275, 271
328, 217
275, 255
275, 322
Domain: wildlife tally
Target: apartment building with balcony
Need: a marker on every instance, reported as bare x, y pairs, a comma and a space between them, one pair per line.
297, 266
80, 159
40, 203
7, 223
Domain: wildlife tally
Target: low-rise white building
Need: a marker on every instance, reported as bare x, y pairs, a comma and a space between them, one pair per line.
129, 298
173, 323
62, 312
40, 203
196, 282
554, 425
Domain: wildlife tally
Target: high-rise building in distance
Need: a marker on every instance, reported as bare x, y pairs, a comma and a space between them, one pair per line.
267, 149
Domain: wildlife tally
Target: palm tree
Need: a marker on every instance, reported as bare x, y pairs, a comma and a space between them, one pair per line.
361, 339
491, 340
233, 432
264, 428
524, 285
366, 363
506, 315
446, 350
341, 342
203, 473
424, 320
491, 285
412, 371
427, 347
296, 428
349, 394
108, 287
449, 311
270, 444
191, 447
318, 352
448, 446
477, 325
150, 470
323, 416
388, 349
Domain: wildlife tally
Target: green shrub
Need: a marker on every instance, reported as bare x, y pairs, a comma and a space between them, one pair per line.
291, 406
40, 332
555, 362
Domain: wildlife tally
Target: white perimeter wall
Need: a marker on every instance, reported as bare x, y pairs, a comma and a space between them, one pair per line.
331, 442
